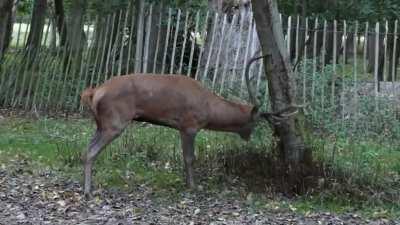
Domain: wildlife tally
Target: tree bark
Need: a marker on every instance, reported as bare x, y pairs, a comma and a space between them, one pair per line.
60, 21
281, 85
5, 25
37, 24
76, 34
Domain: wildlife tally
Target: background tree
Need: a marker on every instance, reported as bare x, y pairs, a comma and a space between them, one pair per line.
292, 149
6, 21
60, 21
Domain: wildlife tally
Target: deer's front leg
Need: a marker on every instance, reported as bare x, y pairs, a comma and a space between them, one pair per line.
187, 139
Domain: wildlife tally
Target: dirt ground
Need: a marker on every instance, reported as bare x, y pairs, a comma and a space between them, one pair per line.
44, 197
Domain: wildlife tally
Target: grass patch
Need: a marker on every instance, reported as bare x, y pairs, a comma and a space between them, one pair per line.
362, 175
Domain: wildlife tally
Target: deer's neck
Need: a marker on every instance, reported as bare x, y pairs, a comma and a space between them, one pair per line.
231, 117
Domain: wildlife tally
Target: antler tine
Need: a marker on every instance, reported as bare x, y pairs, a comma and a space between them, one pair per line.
247, 71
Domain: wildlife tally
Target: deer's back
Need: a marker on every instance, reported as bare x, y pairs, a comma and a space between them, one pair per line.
170, 100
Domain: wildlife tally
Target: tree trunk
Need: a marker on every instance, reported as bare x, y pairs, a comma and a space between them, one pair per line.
37, 24
393, 54
281, 87
60, 21
75, 34
5, 25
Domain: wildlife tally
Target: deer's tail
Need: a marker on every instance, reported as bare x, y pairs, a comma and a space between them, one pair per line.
87, 99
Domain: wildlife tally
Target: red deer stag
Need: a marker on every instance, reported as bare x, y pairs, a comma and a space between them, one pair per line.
174, 101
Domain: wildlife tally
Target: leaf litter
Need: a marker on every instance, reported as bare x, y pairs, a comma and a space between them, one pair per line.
45, 197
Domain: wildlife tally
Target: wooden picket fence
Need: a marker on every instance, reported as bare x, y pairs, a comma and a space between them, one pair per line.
210, 47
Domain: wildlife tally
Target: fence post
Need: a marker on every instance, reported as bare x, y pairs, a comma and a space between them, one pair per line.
202, 47
171, 68
196, 28
131, 28
385, 56
355, 67
121, 57
185, 31
147, 39
344, 39
305, 64
233, 75
219, 52
366, 34
110, 47
216, 17
289, 30
158, 40
314, 60
323, 53
376, 86
395, 36
334, 63
166, 41
226, 64
139, 37
247, 53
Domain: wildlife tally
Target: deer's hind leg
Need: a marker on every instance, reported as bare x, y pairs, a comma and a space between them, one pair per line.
187, 139
107, 130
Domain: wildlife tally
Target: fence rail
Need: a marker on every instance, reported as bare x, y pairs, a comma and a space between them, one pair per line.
338, 63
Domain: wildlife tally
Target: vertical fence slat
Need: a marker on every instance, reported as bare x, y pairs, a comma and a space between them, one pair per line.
289, 30
18, 34
204, 33
314, 59
297, 38
166, 41
395, 36
26, 54
110, 47
103, 52
305, 64
171, 69
115, 44
334, 63
365, 52
219, 51
234, 74
355, 72
78, 85
55, 71
344, 40
196, 28
216, 17
101, 34
147, 39
89, 58
376, 65
6, 64
226, 49
139, 38
323, 58
132, 25
247, 53
123, 40
185, 31
385, 56
43, 63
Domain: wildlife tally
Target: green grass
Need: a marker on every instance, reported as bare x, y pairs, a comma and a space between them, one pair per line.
361, 173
